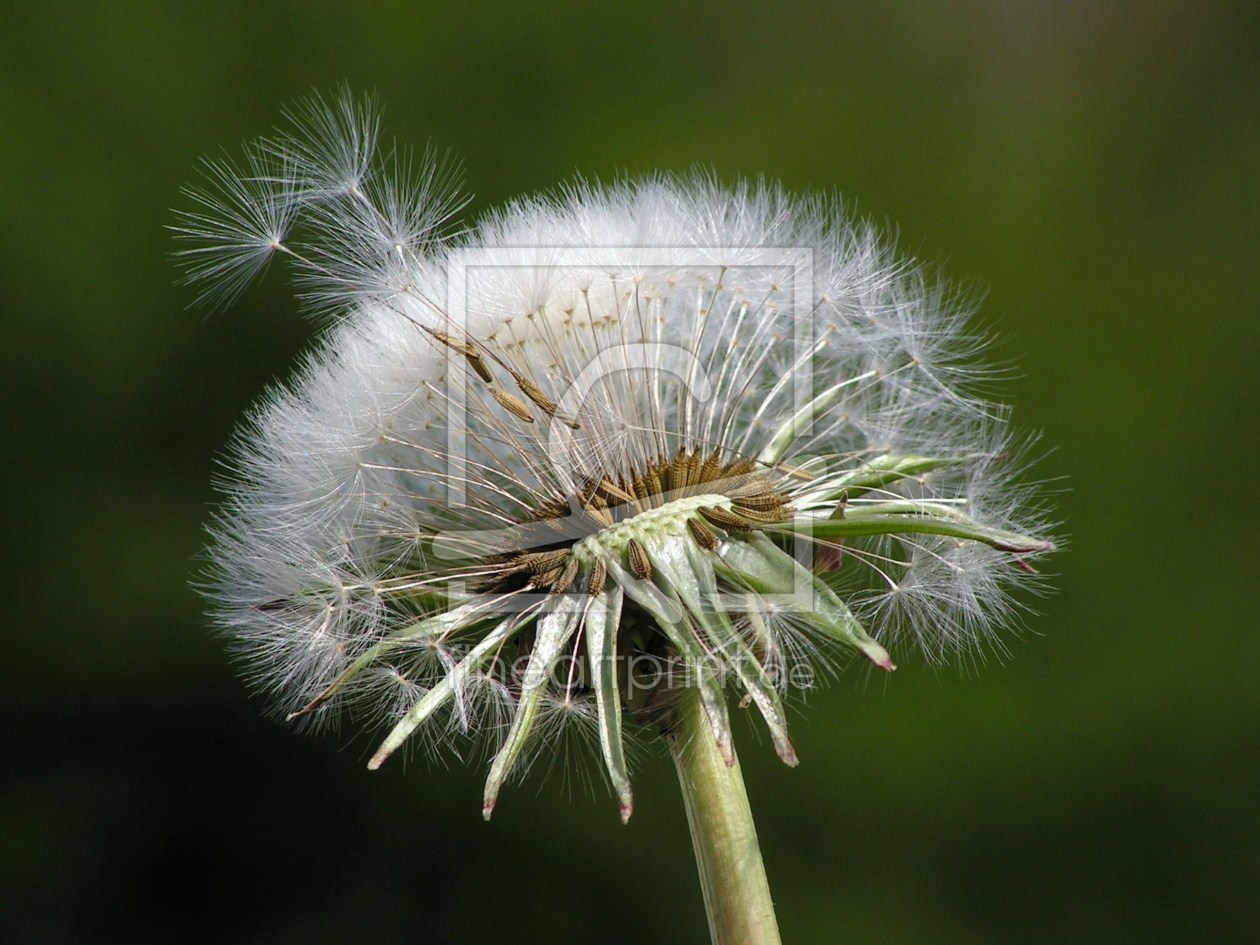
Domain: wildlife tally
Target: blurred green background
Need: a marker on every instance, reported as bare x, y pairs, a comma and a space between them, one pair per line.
1094, 168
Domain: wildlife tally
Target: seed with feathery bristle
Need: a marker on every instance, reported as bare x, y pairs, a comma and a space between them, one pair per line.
470, 353
541, 562
599, 574
567, 576
760, 496
640, 563
724, 518
512, 404
614, 493
764, 516
534, 393
703, 535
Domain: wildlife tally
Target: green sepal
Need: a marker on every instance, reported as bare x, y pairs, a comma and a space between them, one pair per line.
760, 565
883, 471
437, 625
671, 617
706, 607
555, 629
914, 518
782, 438
446, 687
603, 616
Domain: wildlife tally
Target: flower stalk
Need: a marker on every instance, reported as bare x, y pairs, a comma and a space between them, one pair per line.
728, 857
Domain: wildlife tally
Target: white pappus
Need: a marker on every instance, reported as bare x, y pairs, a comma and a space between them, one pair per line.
600, 447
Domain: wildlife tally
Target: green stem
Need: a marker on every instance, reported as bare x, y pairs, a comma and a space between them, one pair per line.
736, 894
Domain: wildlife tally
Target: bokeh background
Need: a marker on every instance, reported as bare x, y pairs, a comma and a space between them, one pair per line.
1094, 168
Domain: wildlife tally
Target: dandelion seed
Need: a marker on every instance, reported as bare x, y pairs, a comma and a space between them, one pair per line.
604, 455
240, 221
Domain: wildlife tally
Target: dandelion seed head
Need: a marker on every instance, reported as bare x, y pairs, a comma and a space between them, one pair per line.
540, 475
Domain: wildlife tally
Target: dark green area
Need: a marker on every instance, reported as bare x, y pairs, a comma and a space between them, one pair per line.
1093, 168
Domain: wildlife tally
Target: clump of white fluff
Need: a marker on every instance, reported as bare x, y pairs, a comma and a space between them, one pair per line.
373, 550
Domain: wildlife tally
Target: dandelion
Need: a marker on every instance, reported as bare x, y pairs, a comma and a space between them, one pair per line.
595, 465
